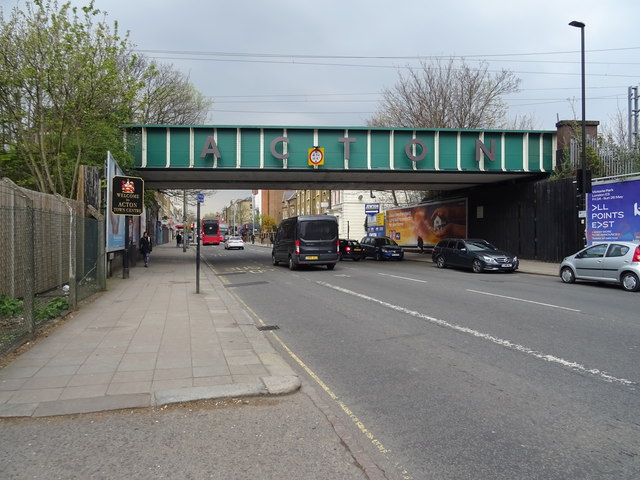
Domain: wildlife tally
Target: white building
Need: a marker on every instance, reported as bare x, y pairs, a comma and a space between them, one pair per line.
348, 206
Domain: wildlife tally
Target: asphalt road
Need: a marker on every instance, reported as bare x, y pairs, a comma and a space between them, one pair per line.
447, 374
263, 438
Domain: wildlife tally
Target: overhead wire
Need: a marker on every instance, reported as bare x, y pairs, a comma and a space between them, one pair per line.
295, 59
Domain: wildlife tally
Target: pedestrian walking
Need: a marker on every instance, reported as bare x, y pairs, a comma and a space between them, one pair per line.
420, 244
178, 239
145, 248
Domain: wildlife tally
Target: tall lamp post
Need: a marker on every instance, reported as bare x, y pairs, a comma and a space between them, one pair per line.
585, 180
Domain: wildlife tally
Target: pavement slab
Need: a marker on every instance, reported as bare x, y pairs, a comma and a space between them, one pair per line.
147, 340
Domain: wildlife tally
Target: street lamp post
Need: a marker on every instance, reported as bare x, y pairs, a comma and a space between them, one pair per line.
585, 180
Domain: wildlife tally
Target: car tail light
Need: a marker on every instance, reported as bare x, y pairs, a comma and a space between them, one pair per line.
636, 255
297, 247
348, 249
338, 246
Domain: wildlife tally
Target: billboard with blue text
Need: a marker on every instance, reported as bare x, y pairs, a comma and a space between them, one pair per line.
613, 212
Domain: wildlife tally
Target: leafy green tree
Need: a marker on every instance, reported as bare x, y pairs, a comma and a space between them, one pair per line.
68, 81
65, 89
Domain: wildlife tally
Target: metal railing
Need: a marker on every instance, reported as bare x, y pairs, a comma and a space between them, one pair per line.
51, 258
615, 161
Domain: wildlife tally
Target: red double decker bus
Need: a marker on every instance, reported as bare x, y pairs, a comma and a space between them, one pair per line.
213, 231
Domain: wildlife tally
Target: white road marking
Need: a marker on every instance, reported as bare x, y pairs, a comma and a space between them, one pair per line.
485, 336
403, 278
523, 300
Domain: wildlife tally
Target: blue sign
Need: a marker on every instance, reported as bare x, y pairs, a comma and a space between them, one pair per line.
613, 212
371, 208
201, 198
376, 231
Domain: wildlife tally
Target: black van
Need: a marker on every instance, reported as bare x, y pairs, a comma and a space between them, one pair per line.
307, 240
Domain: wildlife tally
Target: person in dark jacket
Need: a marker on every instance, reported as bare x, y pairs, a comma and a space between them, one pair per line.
145, 247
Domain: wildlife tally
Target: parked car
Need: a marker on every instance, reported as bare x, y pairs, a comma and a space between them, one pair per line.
474, 253
608, 262
350, 249
381, 248
234, 242
306, 240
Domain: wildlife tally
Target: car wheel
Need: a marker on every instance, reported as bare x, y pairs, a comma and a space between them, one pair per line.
355, 259
477, 266
378, 256
273, 260
292, 265
340, 257
567, 275
440, 263
331, 266
630, 282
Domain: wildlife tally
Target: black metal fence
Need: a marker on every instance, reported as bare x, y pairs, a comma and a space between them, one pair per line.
51, 258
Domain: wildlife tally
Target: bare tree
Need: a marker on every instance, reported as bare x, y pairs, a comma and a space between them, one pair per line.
446, 95
168, 97
617, 131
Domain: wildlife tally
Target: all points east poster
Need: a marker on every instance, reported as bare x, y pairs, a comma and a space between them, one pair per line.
613, 212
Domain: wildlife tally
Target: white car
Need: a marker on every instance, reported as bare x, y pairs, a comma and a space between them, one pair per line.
234, 242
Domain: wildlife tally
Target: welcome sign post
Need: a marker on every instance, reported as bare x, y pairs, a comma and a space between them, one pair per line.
127, 198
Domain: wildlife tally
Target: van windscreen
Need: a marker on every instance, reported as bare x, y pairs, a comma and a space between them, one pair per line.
318, 230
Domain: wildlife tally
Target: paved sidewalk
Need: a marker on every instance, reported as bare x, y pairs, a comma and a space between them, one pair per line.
148, 340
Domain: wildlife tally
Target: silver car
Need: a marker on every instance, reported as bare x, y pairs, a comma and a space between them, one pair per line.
609, 262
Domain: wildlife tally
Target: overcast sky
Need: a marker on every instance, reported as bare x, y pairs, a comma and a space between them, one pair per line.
324, 63
295, 62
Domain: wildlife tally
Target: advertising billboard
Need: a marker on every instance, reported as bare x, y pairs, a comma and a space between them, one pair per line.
115, 223
432, 222
613, 212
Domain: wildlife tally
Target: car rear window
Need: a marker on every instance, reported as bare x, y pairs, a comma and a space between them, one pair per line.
318, 230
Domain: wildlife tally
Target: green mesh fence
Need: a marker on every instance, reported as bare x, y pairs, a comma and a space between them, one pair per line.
50, 259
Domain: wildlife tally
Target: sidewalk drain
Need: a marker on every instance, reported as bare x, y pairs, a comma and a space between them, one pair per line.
268, 327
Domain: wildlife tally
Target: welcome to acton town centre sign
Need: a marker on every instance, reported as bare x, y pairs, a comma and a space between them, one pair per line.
272, 157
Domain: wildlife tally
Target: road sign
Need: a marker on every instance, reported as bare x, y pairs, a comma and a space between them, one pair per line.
316, 156
127, 195
201, 198
371, 208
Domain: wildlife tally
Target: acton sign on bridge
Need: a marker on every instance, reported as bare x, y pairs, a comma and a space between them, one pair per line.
244, 157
